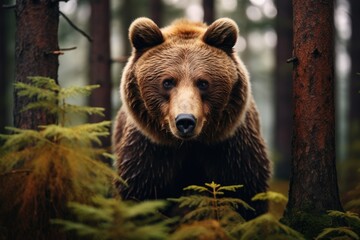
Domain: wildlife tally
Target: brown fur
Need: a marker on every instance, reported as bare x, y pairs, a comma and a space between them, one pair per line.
226, 146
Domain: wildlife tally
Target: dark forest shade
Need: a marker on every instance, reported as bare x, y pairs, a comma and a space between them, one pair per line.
156, 8
313, 182
283, 89
209, 11
100, 63
354, 88
3, 80
36, 38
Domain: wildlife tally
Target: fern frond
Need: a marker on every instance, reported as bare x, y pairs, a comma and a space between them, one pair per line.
197, 188
232, 188
234, 202
200, 213
349, 215
144, 208
85, 212
81, 229
263, 227
338, 231
192, 201
114, 219
271, 196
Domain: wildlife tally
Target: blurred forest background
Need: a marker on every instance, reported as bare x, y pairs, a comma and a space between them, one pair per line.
265, 45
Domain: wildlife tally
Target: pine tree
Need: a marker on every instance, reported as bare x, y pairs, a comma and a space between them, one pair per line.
41, 170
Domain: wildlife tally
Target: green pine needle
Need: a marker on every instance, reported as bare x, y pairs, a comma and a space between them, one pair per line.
338, 232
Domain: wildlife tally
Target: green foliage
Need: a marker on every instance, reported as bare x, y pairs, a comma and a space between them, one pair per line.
111, 219
41, 170
271, 196
264, 227
351, 230
52, 97
205, 229
211, 206
214, 217
337, 232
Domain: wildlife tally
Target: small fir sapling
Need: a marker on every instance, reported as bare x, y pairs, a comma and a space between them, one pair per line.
41, 170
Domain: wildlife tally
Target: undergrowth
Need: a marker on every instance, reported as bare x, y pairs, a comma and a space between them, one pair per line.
41, 170
53, 185
214, 216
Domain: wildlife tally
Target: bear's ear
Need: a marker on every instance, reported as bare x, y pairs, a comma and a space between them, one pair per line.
222, 34
144, 33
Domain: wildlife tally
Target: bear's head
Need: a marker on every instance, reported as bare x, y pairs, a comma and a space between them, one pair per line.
184, 82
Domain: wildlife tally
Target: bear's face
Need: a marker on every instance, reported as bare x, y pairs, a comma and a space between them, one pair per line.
184, 82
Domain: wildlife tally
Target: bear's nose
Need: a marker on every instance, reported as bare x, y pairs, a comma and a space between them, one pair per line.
185, 123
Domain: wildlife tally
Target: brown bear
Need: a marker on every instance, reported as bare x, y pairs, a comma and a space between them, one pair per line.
188, 115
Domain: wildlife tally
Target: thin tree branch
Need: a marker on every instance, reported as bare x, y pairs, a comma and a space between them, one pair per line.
60, 51
292, 60
9, 6
75, 27
26, 171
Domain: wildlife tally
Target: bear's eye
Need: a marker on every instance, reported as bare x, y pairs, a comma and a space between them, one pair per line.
168, 83
202, 84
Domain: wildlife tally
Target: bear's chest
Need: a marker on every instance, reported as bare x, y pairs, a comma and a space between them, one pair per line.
201, 164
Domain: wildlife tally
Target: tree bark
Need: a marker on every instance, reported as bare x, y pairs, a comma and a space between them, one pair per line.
313, 182
354, 88
36, 38
3, 81
209, 11
283, 90
100, 61
156, 9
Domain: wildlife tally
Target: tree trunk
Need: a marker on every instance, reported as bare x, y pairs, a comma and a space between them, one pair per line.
100, 61
156, 9
3, 81
354, 88
313, 182
36, 38
283, 87
209, 11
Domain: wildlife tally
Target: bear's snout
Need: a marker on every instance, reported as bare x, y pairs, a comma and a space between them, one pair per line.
185, 123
